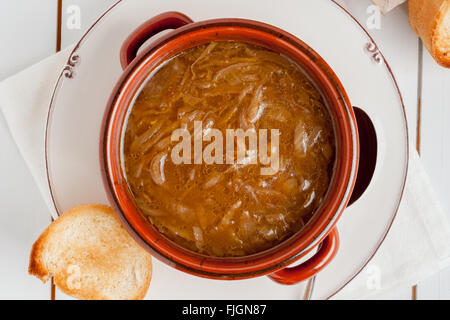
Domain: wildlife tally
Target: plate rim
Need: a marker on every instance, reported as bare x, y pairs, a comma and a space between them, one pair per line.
72, 60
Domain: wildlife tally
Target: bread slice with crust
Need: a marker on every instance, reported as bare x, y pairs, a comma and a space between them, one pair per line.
91, 256
430, 19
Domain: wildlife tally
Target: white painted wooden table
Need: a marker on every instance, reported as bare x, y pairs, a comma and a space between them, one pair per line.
28, 33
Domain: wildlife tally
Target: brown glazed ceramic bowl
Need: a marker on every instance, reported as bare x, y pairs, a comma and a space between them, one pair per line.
319, 233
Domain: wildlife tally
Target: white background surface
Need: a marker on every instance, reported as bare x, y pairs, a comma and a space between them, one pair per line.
28, 34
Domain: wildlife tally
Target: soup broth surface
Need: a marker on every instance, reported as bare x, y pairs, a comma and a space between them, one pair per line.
225, 209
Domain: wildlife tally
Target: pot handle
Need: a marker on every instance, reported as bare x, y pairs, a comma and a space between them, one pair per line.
163, 21
326, 253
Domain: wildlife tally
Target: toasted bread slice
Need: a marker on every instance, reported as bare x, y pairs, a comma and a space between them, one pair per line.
430, 19
91, 256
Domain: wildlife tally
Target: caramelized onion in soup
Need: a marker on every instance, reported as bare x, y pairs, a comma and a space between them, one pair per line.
229, 209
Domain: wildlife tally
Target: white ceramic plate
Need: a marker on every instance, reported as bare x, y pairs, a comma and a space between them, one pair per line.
72, 144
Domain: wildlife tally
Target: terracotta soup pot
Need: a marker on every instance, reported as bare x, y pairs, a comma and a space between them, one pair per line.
318, 239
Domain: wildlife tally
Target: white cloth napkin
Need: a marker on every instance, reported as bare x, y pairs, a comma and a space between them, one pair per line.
417, 246
24, 102
387, 5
